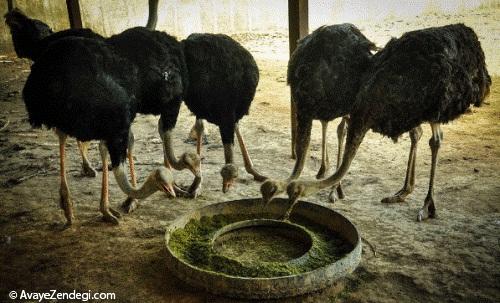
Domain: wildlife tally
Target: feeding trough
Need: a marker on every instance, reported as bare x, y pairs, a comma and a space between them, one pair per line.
239, 249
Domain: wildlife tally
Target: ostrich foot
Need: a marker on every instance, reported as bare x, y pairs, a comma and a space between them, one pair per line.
88, 171
110, 217
67, 206
67, 226
398, 197
130, 205
340, 192
115, 212
321, 172
332, 197
427, 211
336, 193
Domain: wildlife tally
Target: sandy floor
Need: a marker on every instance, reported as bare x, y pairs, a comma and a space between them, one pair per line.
455, 257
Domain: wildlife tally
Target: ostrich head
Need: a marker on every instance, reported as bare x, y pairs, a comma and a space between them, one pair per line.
229, 174
163, 180
270, 189
192, 162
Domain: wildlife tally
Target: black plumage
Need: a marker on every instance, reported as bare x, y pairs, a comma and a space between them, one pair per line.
162, 72
324, 74
223, 77
26, 33
431, 75
324, 71
31, 36
83, 88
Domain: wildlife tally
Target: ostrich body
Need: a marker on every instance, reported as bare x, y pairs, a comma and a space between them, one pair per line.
324, 73
84, 89
431, 75
31, 37
223, 77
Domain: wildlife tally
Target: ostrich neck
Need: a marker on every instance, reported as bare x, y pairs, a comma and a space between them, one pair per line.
153, 14
303, 138
228, 153
354, 139
168, 151
147, 189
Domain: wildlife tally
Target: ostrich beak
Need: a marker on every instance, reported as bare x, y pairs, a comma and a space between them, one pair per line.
226, 185
169, 189
180, 191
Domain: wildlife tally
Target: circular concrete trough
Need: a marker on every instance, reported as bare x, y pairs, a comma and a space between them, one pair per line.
275, 287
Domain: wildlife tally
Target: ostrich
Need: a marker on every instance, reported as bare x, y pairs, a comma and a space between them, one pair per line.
431, 75
83, 88
30, 38
223, 77
324, 73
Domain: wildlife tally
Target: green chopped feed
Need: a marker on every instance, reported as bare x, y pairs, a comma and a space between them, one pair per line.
192, 244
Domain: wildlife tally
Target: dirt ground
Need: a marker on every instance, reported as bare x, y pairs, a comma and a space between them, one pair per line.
453, 258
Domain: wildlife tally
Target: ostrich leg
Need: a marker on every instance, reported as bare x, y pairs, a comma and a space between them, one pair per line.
198, 129
415, 135
429, 210
229, 172
65, 199
108, 213
130, 204
341, 133
246, 158
87, 170
324, 151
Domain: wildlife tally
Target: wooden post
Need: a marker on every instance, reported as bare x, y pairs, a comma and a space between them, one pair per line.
75, 17
298, 27
11, 4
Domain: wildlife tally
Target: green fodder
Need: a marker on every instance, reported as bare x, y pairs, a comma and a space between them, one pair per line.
193, 245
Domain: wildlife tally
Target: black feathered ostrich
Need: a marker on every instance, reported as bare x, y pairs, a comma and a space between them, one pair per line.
324, 73
30, 38
223, 77
431, 75
84, 89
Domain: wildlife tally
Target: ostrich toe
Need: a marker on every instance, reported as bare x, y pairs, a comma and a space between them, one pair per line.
398, 197
110, 217
130, 205
321, 172
427, 211
88, 171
